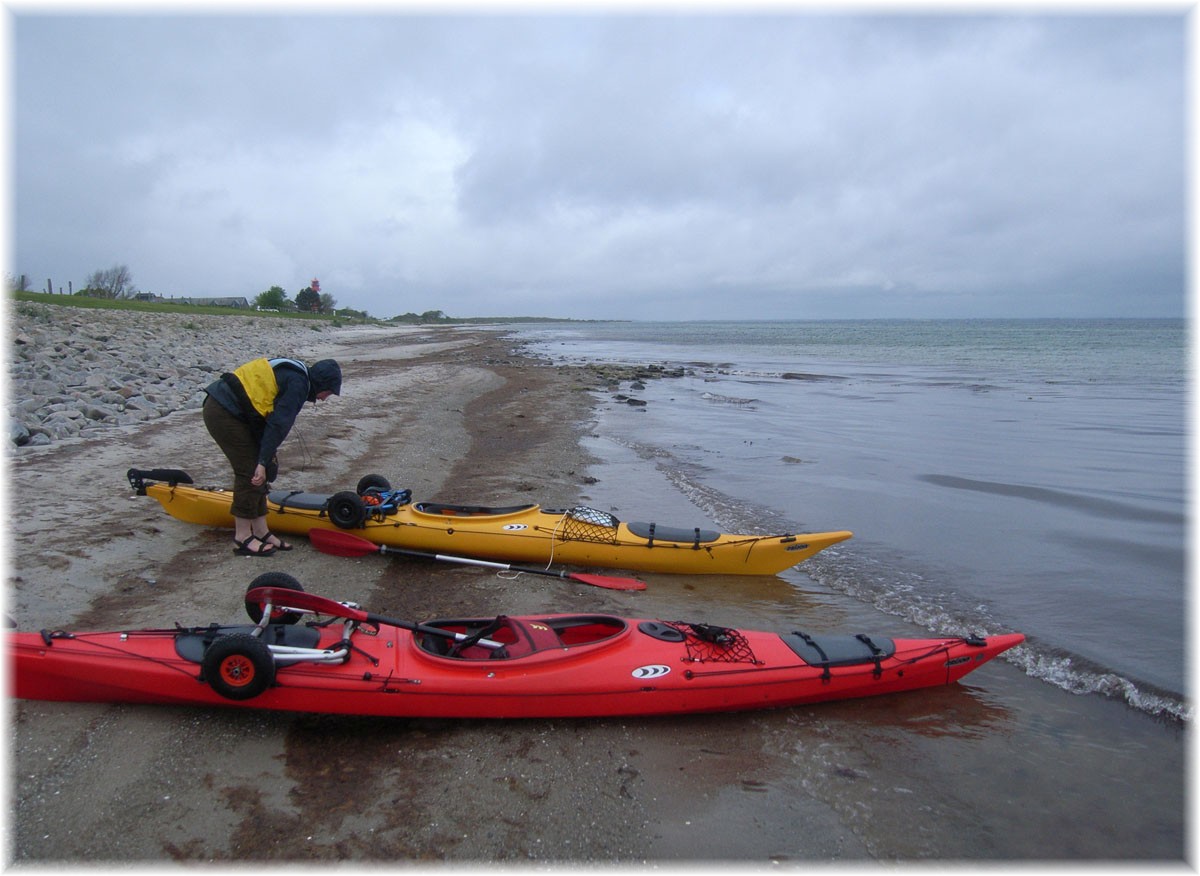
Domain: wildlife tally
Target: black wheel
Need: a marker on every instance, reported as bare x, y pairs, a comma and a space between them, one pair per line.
347, 510
373, 481
239, 667
281, 580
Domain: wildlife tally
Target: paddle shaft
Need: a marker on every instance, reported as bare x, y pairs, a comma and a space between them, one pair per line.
470, 561
379, 619
347, 545
595, 580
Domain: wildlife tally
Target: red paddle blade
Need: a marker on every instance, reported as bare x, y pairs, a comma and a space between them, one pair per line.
608, 581
341, 544
282, 597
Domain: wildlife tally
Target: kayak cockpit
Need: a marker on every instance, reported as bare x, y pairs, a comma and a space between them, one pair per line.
506, 638
441, 509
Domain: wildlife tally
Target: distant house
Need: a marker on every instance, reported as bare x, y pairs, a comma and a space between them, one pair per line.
239, 302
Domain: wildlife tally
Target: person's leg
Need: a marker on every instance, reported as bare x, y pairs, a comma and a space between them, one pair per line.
249, 504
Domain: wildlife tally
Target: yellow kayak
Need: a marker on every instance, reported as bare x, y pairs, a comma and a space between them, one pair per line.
520, 533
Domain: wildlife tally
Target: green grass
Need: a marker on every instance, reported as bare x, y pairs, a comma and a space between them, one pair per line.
318, 319
84, 301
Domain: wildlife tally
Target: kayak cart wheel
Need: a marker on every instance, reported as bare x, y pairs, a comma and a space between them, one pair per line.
347, 510
373, 482
282, 580
238, 667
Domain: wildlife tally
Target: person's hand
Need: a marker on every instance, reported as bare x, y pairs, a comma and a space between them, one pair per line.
260, 475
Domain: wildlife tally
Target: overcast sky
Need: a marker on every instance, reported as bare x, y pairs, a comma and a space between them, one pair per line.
679, 166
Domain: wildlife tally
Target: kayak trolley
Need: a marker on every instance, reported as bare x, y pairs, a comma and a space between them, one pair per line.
239, 663
373, 497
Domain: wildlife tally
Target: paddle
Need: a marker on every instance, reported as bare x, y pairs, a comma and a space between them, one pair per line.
343, 544
298, 600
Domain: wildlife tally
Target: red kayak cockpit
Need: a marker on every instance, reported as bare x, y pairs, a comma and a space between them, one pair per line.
504, 637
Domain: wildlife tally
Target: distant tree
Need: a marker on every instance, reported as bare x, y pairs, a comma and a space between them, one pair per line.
432, 316
308, 299
114, 282
328, 303
273, 299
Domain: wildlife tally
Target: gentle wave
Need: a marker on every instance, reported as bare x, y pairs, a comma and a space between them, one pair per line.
903, 595
1079, 676
906, 595
717, 398
1090, 505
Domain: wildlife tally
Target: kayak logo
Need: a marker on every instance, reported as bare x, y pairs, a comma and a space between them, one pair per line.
513, 527
656, 670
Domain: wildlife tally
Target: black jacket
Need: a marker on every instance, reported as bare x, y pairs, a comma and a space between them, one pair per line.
295, 388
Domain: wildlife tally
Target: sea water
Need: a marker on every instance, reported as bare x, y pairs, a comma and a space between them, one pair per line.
998, 474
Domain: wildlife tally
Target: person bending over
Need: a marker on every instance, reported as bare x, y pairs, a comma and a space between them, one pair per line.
248, 413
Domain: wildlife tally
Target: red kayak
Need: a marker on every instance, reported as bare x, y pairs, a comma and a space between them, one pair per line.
545, 666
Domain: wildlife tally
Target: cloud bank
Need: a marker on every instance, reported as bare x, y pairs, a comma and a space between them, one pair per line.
674, 166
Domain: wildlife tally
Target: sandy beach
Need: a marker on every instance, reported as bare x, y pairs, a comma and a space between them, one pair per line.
448, 413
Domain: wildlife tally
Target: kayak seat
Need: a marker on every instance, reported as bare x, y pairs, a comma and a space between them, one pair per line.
653, 532
191, 644
533, 636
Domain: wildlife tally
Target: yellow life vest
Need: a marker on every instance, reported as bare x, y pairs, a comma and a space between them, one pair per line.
257, 377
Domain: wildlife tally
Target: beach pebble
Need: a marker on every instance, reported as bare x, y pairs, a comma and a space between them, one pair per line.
18, 434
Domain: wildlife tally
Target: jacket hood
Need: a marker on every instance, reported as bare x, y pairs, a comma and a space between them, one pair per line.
324, 375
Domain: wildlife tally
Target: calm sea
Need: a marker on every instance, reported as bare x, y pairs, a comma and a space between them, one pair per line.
998, 475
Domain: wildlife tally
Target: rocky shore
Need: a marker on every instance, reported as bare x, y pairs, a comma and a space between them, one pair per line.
76, 371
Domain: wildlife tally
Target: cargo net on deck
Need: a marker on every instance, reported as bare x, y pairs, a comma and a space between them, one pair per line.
706, 643
588, 524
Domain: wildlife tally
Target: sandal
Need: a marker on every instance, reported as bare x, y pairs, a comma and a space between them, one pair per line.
279, 544
243, 549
